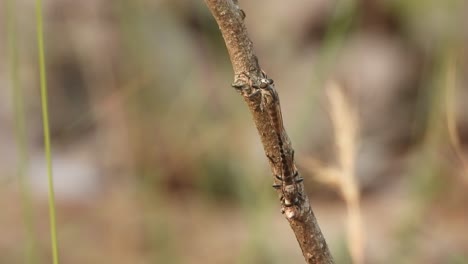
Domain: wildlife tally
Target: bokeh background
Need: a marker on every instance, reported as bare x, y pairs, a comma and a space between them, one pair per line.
156, 158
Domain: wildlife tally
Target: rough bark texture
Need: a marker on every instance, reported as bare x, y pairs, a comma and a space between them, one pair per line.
248, 78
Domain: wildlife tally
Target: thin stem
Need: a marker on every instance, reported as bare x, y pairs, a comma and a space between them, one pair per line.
450, 103
345, 127
20, 132
45, 122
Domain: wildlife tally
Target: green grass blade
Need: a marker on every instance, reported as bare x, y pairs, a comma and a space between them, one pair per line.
45, 120
20, 133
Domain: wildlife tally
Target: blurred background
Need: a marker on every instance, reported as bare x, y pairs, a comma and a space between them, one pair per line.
157, 160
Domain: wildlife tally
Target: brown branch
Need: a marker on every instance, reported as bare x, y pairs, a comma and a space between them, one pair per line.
260, 95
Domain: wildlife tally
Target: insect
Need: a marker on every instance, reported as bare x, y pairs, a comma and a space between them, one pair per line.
270, 103
289, 179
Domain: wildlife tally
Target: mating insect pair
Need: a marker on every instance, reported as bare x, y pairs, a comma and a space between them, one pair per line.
270, 102
289, 179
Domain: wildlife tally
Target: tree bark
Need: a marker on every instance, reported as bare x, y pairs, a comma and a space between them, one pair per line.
262, 99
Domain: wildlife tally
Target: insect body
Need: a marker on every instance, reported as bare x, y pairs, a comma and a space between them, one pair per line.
289, 176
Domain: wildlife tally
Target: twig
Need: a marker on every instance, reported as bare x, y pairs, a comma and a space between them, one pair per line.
262, 99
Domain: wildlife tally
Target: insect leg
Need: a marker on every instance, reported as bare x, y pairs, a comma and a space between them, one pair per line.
296, 179
279, 178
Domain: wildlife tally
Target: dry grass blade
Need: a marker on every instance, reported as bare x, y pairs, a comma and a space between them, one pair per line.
345, 127
450, 103
327, 175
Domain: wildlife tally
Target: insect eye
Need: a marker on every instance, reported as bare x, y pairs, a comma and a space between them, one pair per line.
264, 83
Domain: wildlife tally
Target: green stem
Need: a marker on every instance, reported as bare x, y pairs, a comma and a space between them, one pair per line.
45, 122
20, 132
